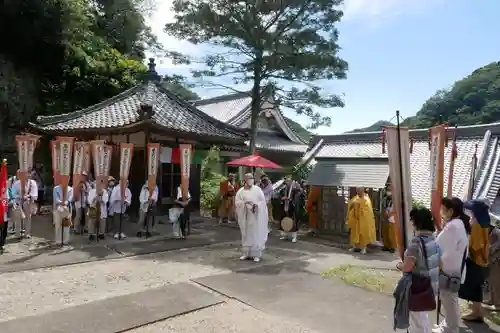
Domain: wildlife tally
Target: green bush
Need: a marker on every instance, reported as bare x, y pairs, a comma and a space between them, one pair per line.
210, 181
210, 196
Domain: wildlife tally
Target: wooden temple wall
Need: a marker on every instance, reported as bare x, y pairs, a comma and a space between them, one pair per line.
333, 209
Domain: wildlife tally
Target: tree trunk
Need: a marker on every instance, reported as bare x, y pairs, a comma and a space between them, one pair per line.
256, 102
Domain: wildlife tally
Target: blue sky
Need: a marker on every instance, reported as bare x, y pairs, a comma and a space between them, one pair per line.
399, 53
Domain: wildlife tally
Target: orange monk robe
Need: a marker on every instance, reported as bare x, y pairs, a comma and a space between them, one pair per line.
312, 206
227, 192
361, 222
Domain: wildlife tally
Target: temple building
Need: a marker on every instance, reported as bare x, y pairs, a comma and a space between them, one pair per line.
148, 113
277, 139
344, 161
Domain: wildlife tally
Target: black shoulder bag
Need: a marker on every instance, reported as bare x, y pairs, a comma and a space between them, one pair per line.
422, 296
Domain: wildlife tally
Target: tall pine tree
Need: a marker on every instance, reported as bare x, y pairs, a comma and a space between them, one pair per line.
282, 48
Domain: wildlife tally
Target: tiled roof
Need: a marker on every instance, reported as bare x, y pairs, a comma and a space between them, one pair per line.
350, 172
169, 112
274, 142
225, 108
419, 159
235, 109
368, 144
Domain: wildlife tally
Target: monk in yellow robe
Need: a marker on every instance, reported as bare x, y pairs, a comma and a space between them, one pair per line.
312, 208
227, 190
360, 221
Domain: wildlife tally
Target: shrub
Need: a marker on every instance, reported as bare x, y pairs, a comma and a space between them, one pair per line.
210, 181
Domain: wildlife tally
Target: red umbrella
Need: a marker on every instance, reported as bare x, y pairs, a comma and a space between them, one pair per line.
254, 161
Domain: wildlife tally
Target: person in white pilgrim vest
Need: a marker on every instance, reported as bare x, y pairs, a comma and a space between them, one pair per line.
251, 209
182, 216
146, 204
81, 192
119, 206
96, 201
62, 215
25, 206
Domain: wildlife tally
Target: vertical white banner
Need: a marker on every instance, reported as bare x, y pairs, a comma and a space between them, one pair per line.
401, 182
65, 169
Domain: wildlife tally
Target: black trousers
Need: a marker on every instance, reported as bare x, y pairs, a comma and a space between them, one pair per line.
184, 221
3, 233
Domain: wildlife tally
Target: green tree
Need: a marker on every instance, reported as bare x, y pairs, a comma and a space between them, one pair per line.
92, 70
122, 24
282, 48
178, 85
473, 100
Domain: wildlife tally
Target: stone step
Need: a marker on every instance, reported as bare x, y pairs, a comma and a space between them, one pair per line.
118, 314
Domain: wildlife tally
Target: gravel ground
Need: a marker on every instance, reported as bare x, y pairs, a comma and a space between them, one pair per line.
40, 291
230, 317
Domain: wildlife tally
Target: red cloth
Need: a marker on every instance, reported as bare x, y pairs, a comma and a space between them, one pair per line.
4, 200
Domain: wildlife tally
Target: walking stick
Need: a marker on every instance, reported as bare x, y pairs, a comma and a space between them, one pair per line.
146, 220
97, 224
121, 221
82, 212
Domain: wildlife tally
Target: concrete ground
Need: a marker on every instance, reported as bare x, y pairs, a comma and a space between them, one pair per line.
198, 285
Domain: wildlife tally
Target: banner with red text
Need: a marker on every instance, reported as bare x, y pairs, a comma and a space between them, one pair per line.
81, 162
186, 152
97, 148
26, 145
126, 151
66, 154
153, 150
54, 148
437, 137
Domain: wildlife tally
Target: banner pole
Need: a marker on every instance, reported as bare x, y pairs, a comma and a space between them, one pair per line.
403, 205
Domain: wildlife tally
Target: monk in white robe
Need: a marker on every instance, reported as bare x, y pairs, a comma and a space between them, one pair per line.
251, 209
96, 200
118, 206
62, 212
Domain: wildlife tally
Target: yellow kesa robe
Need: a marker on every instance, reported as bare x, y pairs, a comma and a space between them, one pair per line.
361, 222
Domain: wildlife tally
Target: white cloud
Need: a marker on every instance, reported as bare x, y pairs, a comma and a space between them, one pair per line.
162, 15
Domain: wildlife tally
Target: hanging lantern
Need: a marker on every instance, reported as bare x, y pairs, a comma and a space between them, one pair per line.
383, 140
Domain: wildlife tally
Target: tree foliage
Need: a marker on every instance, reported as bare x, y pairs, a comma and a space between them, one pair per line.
282, 48
473, 100
178, 85
82, 51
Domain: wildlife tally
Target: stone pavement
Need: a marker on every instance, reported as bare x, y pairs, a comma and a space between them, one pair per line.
27, 255
282, 294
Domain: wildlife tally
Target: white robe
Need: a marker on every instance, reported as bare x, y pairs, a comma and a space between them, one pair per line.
92, 201
144, 198
116, 200
253, 226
